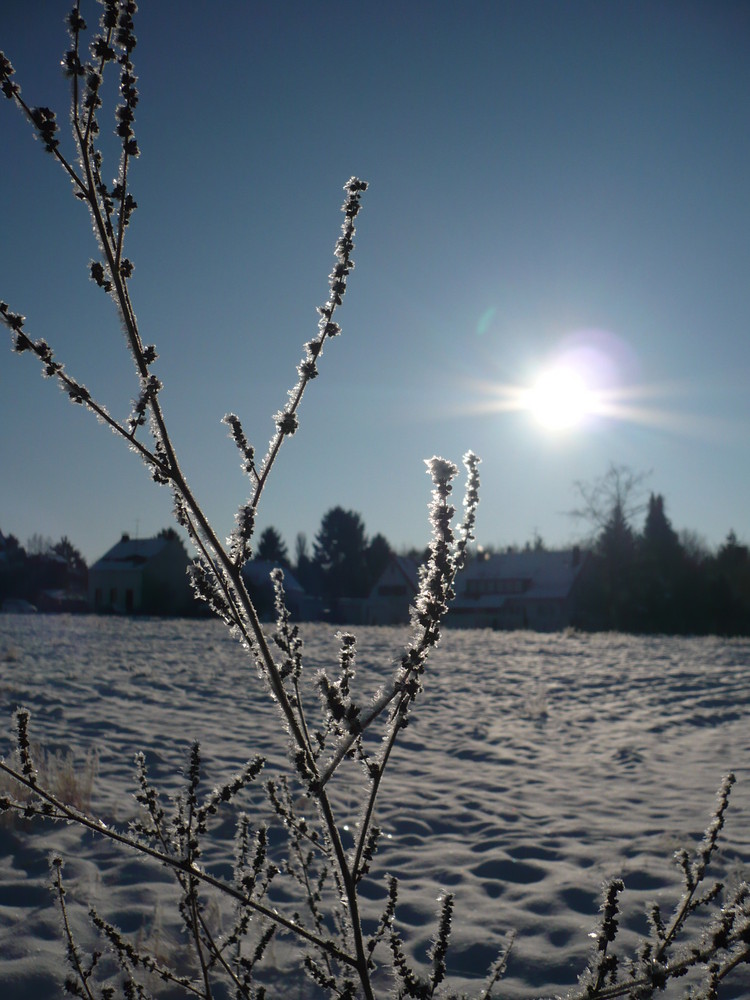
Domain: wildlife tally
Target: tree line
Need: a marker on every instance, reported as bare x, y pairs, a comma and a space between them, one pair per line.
655, 580
42, 566
648, 579
342, 563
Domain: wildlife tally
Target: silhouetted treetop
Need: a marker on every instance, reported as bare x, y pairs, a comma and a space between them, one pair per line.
271, 547
69, 553
340, 553
614, 497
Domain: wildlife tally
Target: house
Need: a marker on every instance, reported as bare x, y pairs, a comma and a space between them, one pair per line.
393, 593
532, 589
142, 576
257, 576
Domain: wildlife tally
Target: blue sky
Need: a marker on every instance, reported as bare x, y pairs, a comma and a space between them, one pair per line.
548, 180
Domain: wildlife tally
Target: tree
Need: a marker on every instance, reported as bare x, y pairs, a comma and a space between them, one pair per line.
732, 557
272, 548
616, 541
608, 505
76, 573
378, 556
660, 540
38, 545
340, 553
12, 567
536, 544
300, 548
305, 569
695, 547
661, 571
11, 549
615, 495
70, 554
730, 583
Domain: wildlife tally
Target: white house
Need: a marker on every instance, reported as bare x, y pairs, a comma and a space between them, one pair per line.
141, 576
513, 590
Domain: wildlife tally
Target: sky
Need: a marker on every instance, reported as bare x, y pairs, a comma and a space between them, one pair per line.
553, 186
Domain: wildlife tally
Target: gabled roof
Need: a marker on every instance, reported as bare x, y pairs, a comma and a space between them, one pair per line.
258, 573
131, 553
544, 574
400, 567
409, 570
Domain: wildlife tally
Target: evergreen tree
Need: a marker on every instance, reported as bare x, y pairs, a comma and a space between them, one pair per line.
661, 589
608, 598
12, 568
659, 537
378, 556
305, 570
340, 553
272, 548
730, 586
616, 548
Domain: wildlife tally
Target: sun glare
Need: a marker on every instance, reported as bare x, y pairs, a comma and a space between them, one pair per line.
560, 399
588, 382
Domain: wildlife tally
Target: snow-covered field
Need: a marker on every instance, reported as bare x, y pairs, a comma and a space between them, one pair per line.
534, 767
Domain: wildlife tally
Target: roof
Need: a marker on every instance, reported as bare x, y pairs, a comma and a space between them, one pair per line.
398, 567
258, 573
131, 553
544, 575
409, 569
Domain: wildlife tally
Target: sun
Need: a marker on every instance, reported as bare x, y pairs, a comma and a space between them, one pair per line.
560, 399
589, 381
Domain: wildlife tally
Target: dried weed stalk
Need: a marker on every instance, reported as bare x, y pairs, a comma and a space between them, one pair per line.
343, 945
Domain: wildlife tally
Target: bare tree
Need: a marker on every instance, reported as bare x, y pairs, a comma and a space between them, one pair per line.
617, 495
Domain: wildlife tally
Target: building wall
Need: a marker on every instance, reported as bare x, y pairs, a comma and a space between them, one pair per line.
166, 590
391, 597
117, 590
156, 584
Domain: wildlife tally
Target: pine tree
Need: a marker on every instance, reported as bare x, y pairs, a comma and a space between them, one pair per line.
272, 548
340, 552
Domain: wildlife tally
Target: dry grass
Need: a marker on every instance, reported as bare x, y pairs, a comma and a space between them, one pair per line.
69, 780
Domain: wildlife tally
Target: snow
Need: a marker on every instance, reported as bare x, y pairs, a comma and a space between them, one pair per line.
535, 767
